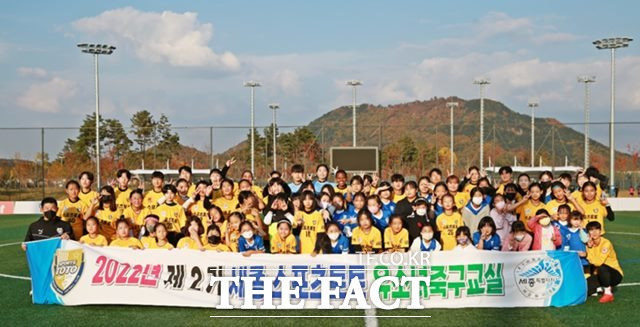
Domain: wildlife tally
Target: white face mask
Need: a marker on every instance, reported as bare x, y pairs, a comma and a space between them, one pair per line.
477, 200
334, 236
500, 205
248, 234
324, 205
519, 237
427, 236
421, 212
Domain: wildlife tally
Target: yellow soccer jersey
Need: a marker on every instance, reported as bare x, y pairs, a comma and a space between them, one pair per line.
99, 240
468, 187
313, 224
107, 219
286, 246
233, 240
447, 225
528, 211
593, 211
192, 190
197, 209
342, 191
122, 198
136, 218
127, 243
148, 242
73, 213
189, 243
461, 199
151, 199
398, 197
87, 197
552, 206
218, 248
226, 205
396, 241
166, 245
172, 215
604, 254
368, 241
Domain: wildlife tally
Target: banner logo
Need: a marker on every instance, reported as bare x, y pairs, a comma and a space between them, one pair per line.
67, 269
538, 277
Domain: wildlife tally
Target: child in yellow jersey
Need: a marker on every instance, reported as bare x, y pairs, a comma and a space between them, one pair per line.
397, 185
171, 214
182, 185
284, 242
366, 238
214, 240
396, 238
136, 213
595, 209
529, 204
448, 222
104, 208
148, 231
122, 189
310, 222
193, 232
248, 204
72, 209
245, 185
607, 272
341, 182
160, 241
461, 198
471, 180
86, 195
228, 202
93, 237
233, 230
195, 205
154, 195
560, 196
123, 238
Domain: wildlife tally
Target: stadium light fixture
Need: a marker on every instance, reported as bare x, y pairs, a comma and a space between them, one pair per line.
451, 106
354, 83
274, 107
586, 80
533, 104
96, 50
252, 85
482, 82
612, 44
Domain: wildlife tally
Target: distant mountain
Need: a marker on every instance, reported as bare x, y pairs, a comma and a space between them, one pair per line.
415, 136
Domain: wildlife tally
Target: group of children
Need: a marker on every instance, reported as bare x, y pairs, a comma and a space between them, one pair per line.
357, 215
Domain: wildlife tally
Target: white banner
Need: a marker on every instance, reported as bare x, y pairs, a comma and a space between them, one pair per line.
80, 274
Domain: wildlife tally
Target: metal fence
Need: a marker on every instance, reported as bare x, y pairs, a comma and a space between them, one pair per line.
33, 163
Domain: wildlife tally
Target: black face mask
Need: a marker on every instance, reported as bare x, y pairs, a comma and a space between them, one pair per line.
106, 199
545, 185
50, 215
510, 196
214, 239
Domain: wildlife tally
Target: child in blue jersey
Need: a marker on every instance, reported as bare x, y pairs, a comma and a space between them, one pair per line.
297, 177
249, 242
384, 192
486, 238
322, 178
359, 203
439, 190
355, 185
426, 242
346, 219
563, 212
575, 237
380, 218
337, 242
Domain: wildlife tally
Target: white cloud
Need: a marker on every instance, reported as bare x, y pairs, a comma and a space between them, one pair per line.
288, 81
176, 38
32, 72
554, 38
47, 96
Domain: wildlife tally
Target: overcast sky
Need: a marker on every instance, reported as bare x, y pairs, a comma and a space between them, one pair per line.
188, 60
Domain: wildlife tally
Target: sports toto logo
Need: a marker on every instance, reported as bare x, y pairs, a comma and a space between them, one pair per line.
67, 269
538, 277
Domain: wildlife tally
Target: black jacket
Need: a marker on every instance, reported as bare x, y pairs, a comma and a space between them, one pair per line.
42, 229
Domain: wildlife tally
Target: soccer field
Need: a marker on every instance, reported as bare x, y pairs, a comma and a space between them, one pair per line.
17, 310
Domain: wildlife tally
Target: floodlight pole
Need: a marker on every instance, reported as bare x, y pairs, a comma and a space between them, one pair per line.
274, 107
482, 82
586, 80
252, 85
533, 104
95, 50
451, 106
612, 44
354, 84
